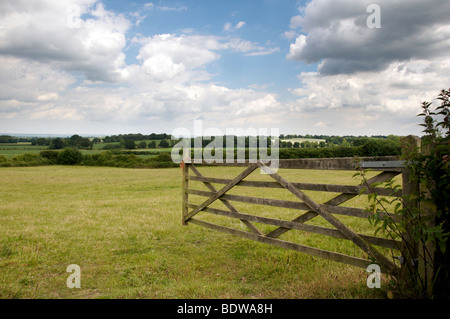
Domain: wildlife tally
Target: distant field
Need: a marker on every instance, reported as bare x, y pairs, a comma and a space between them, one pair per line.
13, 149
123, 228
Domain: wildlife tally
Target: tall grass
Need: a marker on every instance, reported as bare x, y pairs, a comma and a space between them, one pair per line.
123, 228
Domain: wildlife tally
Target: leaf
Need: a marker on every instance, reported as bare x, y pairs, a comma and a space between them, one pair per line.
375, 184
362, 191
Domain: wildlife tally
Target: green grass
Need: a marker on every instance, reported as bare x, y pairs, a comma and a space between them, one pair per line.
13, 149
123, 228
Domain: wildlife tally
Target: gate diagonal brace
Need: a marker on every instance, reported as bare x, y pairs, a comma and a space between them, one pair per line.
335, 201
221, 192
250, 226
358, 240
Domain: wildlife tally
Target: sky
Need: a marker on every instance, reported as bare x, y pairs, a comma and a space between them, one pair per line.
319, 67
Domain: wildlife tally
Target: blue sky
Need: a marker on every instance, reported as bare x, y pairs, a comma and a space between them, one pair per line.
262, 22
108, 67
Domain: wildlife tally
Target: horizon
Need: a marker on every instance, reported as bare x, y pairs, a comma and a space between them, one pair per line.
311, 136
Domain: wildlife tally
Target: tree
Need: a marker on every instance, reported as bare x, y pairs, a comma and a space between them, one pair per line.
142, 145
40, 141
80, 142
57, 144
164, 143
129, 144
345, 143
69, 156
7, 139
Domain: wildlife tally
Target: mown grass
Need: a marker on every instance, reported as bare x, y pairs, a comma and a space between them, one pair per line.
123, 228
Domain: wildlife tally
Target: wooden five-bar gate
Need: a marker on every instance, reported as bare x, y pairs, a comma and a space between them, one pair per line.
307, 208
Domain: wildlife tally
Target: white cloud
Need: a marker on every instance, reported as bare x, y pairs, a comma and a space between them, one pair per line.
290, 34
369, 80
263, 52
167, 83
240, 25
335, 34
54, 32
228, 27
28, 81
387, 100
178, 9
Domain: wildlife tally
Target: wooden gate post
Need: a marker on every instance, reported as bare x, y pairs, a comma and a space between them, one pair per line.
185, 184
409, 249
419, 256
427, 250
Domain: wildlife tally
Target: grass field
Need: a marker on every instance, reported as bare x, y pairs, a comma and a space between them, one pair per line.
13, 149
123, 228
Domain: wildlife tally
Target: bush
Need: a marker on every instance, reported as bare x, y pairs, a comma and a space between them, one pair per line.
29, 160
51, 155
102, 159
4, 162
126, 160
69, 156
130, 144
424, 214
163, 157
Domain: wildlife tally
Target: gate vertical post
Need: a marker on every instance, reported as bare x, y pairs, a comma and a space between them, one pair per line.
426, 263
410, 187
185, 187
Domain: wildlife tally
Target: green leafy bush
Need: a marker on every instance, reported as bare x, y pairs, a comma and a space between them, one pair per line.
51, 155
29, 160
69, 156
4, 162
427, 220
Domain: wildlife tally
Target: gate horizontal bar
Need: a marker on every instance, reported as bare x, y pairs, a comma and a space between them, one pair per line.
348, 189
336, 163
354, 261
339, 210
382, 164
382, 242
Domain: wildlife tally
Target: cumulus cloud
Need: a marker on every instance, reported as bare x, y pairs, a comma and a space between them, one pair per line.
74, 35
72, 68
369, 77
30, 81
388, 100
65, 61
336, 34
184, 58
